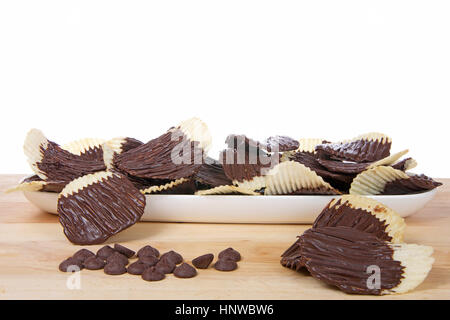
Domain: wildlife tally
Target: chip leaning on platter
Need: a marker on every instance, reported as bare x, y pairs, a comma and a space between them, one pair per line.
88, 173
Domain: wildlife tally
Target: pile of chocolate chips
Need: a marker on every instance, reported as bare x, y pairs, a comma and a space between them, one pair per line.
150, 265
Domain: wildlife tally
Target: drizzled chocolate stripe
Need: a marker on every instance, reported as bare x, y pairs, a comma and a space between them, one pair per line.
93, 208
154, 159
361, 150
60, 165
340, 256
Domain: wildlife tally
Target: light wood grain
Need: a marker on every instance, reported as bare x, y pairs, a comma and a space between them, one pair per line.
32, 245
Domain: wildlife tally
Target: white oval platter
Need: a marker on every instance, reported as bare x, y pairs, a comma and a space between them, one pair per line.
243, 209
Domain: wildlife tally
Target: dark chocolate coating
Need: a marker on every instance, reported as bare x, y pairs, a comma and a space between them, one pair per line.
93, 154
339, 215
242, 165
144, 183
211, 173
292, 257
154, 158
344, 167
234, 141
358, 151
185, 271
340, 256
415, 184
203, 261
359, 219
281, 144
401, 165
338, 180
61, 165
98, 211
186, 187
130, 143
50, 185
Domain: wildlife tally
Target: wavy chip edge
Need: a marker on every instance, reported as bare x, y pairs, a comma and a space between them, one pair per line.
224, 190
416, 261
163, 187
373, 181
82, 182
82, 145
197, 130
35, 141
290, 176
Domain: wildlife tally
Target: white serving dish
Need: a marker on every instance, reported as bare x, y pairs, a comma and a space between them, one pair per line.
242, 209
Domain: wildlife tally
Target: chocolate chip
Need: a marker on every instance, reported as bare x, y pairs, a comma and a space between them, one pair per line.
225, 265
230, 254
115, 268
117, 257
105, 252
137, 268
185, 271
173, 256
83, 254
153, 274
94, 263
148, 251
165, 266
124, 250
149, 260
203, 261
70, 265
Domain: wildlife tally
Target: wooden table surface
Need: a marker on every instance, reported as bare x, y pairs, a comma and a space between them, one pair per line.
32, 245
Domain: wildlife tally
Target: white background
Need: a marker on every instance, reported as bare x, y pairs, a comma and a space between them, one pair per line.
329, 69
